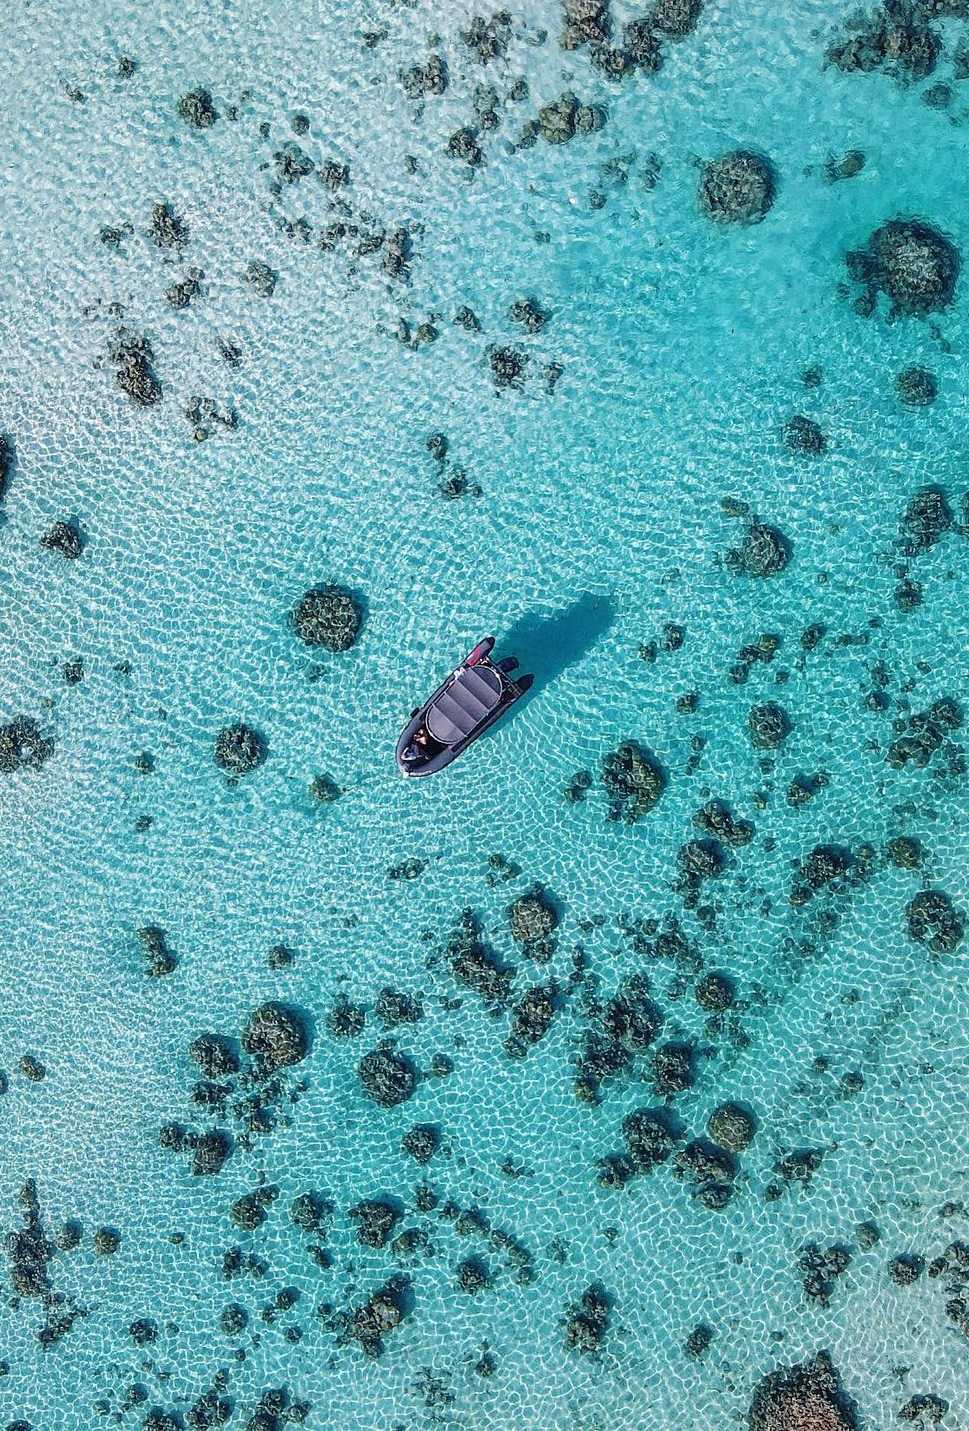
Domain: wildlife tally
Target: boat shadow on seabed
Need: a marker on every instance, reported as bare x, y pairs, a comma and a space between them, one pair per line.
548, 645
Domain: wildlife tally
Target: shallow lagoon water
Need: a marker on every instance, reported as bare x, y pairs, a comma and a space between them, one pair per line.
682, 347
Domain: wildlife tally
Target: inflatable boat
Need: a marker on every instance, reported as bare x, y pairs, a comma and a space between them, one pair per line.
466, 703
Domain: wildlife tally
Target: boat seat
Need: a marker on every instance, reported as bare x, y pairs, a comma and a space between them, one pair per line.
468, 699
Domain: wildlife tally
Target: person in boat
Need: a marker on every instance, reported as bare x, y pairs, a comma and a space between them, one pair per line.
420, 746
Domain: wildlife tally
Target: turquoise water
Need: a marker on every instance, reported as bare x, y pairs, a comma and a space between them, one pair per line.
682, 345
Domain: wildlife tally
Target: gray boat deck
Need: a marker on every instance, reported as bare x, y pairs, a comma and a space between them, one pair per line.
468, 699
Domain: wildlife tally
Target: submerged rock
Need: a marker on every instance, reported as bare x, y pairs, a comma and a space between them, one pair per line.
275, 1036
388, 1078
910, 261
107, 1240
311, 1212
64, 538
239, 749
488, 39
531, 1018
738, 188
383, 1310
892, 38
328, 616
674, 1067
634, 781
167, 229
196, 108
764, 551
825, 865
132, 357
507, 366
715, 992
472, 1276
476, 966
906, 1268
933, 920
769, 726
532, 917
6, 464
376, 1219
650, 1137
211, 1151
29, 1250
675, 19
927, 518
261, 277
292, 163
586, 1323
23, 746
732, 1126
421, 1142
587, 22
565, 117
804, 437
916, 387
802, 1398
214, 1055
429, 78
395, 1006
159, 958
924, 734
